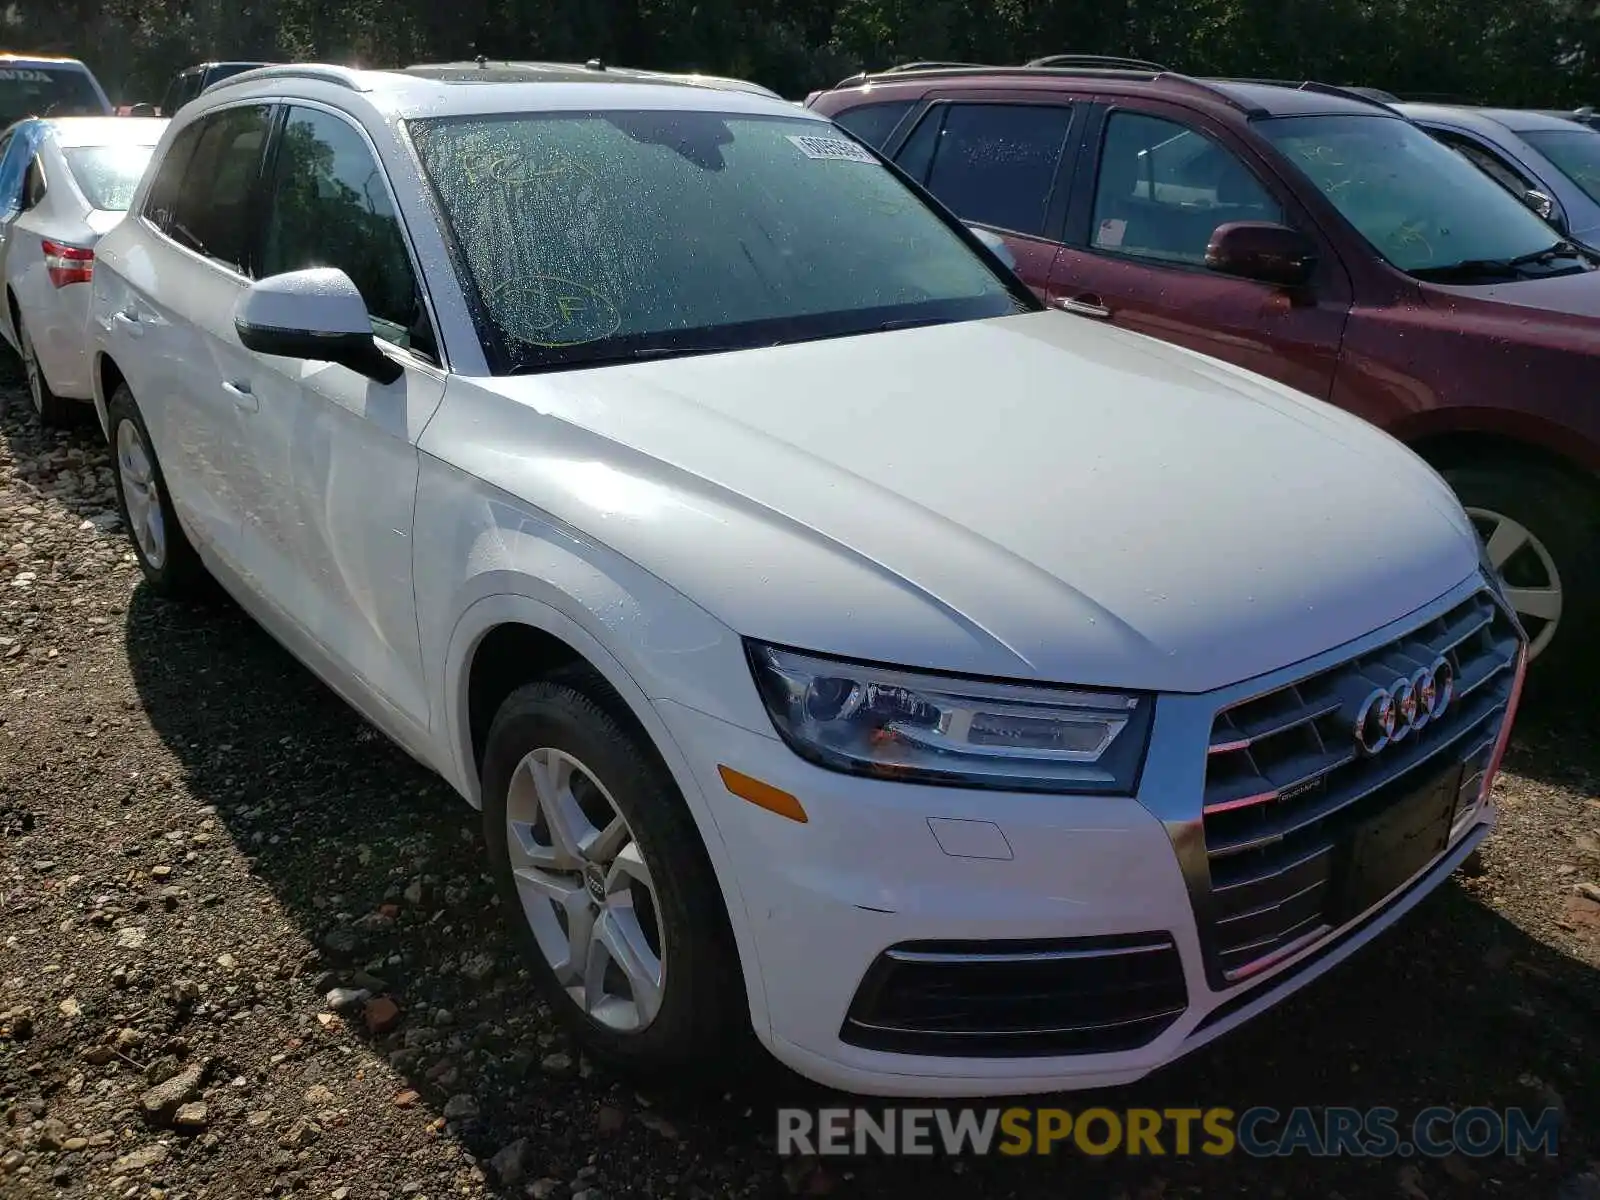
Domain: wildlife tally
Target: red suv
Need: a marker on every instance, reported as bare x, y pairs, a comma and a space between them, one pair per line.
1310, 234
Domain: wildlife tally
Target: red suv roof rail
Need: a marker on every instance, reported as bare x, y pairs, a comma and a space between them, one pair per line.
1100, 61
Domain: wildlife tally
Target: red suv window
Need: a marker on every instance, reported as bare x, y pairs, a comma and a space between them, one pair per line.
991, 164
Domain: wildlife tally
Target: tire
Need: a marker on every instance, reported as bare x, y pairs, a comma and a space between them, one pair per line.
1561, 552
53, 412
699, 1022
169, 562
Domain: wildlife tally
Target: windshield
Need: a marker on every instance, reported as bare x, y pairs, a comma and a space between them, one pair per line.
600, 237
47, 91
107, 175
1421, 205
1575, 153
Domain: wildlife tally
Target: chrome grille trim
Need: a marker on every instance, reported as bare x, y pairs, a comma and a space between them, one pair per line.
1257, 904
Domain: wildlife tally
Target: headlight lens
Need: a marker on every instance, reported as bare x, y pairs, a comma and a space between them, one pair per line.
922, 728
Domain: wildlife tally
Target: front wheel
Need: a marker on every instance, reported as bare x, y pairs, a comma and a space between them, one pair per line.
1542, 533
597, 857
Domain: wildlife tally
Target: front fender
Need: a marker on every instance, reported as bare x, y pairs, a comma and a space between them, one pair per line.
489, 561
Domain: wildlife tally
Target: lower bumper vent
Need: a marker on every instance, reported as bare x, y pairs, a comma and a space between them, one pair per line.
1019, 998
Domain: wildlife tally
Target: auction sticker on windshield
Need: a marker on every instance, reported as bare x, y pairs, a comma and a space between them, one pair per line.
834, 148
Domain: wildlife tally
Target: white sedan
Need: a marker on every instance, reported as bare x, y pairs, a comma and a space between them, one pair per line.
63, 182
840, 646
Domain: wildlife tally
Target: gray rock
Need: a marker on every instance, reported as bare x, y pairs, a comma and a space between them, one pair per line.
160, 1104
347, 1000
191, 1117
461, 1108
543, 1189
141, 1159
479, 967
510, 1164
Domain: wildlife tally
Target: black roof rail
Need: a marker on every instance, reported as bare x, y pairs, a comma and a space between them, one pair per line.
898, 68
1095, 61
1090, 65
1359, 94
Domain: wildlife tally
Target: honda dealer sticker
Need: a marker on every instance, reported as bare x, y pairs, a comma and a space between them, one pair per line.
25, 75
834, 148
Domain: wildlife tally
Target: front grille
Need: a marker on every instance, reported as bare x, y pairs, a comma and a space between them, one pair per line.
1019, 998
1289, 796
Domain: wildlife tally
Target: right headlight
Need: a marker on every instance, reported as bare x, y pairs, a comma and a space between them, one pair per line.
925, 728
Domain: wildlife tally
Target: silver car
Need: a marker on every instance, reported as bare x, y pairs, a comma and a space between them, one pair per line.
1528, 152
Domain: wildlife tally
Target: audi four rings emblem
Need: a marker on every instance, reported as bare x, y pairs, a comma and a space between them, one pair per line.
1405, 706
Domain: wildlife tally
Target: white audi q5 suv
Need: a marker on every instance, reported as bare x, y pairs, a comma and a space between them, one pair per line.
838, 644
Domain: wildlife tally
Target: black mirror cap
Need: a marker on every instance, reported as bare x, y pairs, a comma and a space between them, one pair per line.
1264, 251
359, 352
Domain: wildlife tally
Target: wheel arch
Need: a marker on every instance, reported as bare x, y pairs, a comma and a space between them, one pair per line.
485, 662
107, 378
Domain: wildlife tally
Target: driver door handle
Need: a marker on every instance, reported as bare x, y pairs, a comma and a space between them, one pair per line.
1084, 306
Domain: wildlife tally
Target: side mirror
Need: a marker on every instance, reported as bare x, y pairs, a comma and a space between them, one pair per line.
1545, 206
1263, 251
996, 243
143, 110
315, 314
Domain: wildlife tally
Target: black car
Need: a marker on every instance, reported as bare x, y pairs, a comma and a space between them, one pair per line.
188, 84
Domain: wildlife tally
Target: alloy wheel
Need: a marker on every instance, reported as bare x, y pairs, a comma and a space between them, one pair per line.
586, 890
141, 494
1533, 584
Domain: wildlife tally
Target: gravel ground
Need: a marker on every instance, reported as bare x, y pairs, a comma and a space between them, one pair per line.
199, 844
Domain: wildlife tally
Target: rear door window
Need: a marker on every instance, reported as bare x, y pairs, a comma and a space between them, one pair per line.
993, 164
47, 90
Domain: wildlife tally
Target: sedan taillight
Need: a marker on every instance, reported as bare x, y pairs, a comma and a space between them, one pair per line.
67, 264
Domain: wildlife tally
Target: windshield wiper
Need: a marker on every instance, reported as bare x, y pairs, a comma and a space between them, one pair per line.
1483, 268
1561, 249
638, 354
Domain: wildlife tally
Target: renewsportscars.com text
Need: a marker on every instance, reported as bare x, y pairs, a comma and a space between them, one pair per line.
1258, 1132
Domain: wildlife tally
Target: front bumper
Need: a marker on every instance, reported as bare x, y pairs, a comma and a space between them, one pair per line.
937, 874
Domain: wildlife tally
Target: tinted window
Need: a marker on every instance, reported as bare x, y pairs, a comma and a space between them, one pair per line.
1418, 203
167, 186
1575, 153
1163, 188
108, 175
601, 237
329, 207
873, 123
996, 163
211, 212
33, 183
47, 90
1485, 160
14, 162
916, 156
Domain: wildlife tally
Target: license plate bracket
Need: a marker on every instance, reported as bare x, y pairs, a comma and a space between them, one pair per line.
1389, 848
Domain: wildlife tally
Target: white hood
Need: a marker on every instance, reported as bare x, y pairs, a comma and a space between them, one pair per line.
1027, 497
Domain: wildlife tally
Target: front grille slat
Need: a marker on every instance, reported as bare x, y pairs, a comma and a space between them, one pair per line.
1288, 788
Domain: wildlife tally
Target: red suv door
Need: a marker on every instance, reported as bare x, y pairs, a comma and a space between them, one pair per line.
1001, 160
1153, 183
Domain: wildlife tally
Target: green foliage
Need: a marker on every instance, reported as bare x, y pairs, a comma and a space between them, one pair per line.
1523, 52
